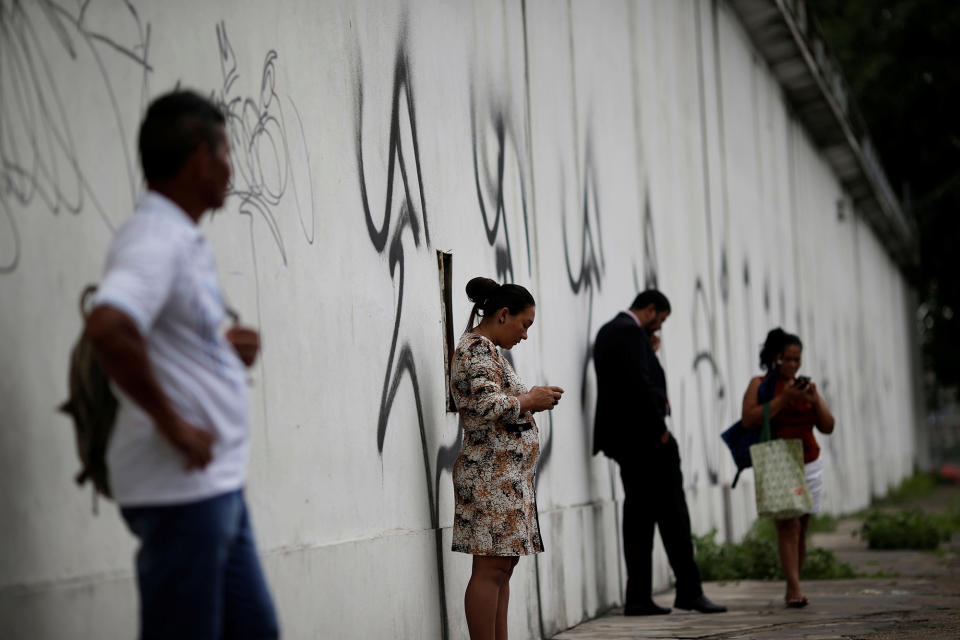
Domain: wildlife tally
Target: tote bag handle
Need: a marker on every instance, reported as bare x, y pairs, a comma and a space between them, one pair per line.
765, 432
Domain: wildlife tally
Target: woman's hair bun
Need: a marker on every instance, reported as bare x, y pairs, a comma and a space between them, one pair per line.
777, 340
776, 336
480, 288
488, 296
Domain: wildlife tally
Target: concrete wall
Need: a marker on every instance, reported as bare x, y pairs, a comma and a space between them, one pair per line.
582, 149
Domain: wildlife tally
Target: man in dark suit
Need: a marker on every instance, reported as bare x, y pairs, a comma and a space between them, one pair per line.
630, 428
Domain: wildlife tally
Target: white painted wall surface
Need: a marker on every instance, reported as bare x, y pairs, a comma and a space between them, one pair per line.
640, 142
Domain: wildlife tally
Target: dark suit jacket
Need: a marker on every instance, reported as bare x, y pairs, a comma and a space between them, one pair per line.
631, 392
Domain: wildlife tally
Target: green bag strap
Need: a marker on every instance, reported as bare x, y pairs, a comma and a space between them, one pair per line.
765, 433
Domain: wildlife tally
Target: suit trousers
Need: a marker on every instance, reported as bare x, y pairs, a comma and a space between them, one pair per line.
653, 495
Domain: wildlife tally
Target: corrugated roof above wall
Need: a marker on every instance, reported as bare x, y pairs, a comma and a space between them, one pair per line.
790, 42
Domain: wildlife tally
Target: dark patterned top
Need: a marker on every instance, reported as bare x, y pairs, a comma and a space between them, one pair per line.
496, 509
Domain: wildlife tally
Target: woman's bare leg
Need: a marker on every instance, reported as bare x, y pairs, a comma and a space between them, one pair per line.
802, 542
788, 543
503, 602
480, 602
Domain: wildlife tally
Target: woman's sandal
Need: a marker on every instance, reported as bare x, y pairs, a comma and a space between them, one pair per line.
796, 603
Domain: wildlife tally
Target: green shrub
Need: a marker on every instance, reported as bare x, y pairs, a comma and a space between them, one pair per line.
753, 559
762, 529
713, 562
756, 558
765, 529
822, 564
918, 485
822, 523
952, 516
907, 529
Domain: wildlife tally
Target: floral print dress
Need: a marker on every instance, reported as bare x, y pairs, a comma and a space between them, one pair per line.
496, 509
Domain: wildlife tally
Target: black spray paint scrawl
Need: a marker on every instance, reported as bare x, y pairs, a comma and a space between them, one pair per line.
411, 219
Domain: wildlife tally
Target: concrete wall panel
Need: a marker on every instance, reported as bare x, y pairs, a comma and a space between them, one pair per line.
584, 150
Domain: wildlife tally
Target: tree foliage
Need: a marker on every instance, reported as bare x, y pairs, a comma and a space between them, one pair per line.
901, 59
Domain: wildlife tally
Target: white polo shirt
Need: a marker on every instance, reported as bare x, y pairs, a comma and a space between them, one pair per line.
160, 271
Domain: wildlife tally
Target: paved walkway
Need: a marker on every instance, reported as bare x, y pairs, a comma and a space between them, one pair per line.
922, 602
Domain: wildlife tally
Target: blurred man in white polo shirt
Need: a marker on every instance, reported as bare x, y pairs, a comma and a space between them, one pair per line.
178, 455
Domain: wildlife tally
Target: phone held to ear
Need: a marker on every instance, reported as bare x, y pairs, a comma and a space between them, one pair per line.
801, 382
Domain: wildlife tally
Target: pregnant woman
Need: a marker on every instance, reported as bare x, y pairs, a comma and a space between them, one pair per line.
496, 509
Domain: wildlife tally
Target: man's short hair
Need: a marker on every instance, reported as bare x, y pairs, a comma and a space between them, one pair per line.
175, 125
654, 297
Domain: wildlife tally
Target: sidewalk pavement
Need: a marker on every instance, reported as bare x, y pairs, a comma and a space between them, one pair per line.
921, 602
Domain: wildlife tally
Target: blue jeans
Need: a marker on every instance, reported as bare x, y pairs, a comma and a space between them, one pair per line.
198, 572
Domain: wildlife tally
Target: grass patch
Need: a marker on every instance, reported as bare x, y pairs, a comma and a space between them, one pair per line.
908, 529
919, 485
822, 523
883, 574
752, 559
762, 529
822, 564
756, 558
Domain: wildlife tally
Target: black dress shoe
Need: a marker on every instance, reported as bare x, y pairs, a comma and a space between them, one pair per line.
645, 609
701, 603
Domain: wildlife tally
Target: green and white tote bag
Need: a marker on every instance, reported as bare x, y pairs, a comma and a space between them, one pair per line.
779, 479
